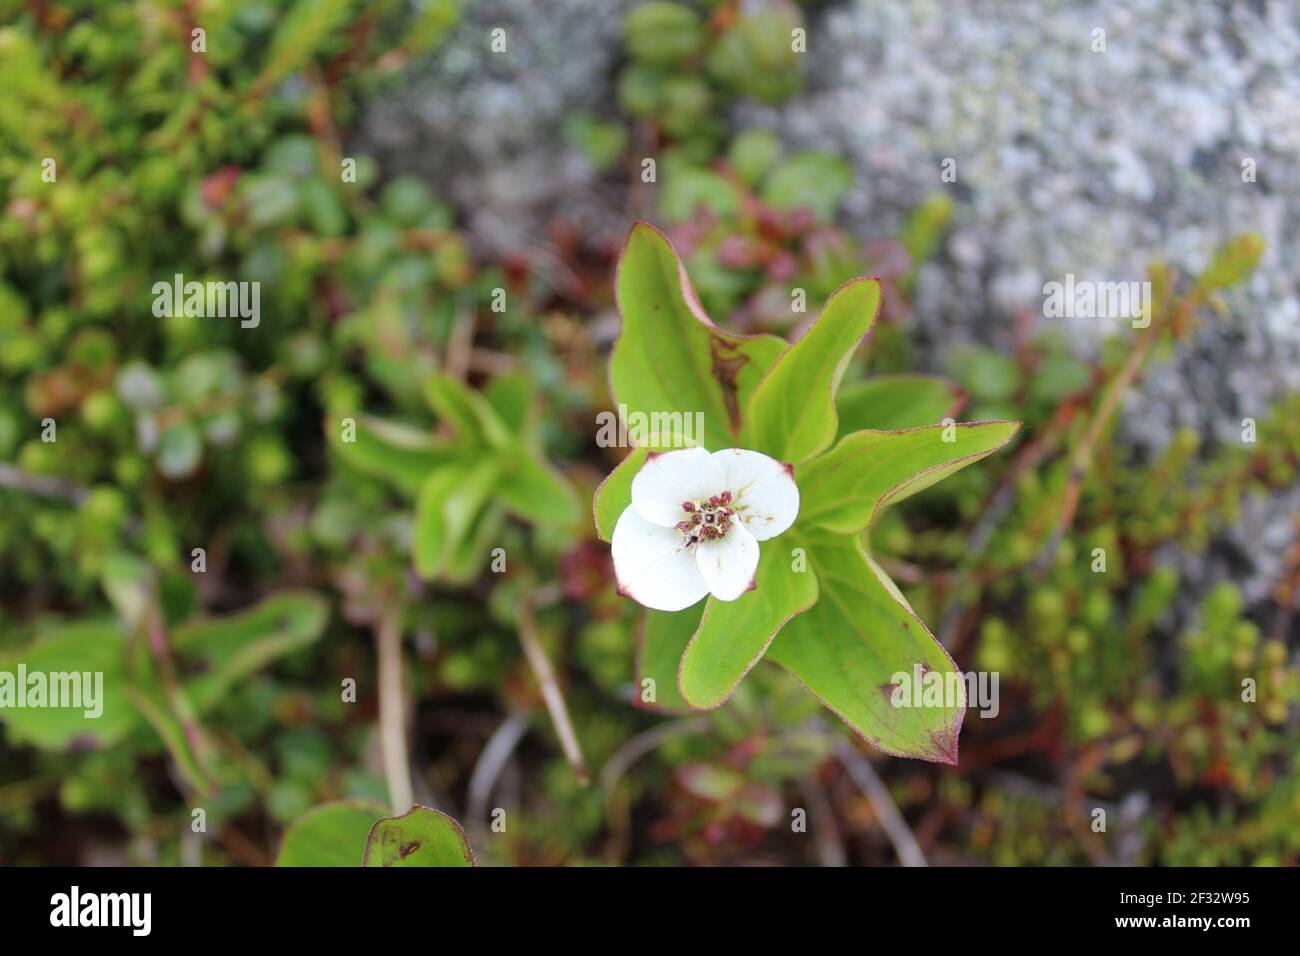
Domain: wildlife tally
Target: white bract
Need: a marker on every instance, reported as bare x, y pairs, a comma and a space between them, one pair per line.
695, 522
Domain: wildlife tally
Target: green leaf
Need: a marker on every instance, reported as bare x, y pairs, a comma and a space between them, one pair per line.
85, 648
924, 228
511, 397
151, 701
333, 834
398, 454
664, 636
990, 375
468, 412
419, 837
669, 356
662, 33
449, 508
225, 650
1233, 261
429, 541
848, 648
129, 583
534, 490
733, 635
896, 401
465, 562
753, 152
842, 490
812, 180
687, 188
432, 24
792, 413
299, 35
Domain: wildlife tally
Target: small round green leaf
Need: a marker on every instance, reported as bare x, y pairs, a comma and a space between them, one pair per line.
419, 837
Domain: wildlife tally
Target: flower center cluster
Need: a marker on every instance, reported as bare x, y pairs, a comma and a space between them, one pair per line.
709, 520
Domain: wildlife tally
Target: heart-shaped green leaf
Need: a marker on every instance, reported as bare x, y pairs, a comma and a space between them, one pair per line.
792, 412
888, 402
669, 357
733, 635
333, 834
419, 837
842, 490
850, 647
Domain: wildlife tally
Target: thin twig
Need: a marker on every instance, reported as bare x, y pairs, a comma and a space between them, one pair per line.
392, 712
617, 816
874, 789
492, 363
50, 486
826, 835
642, 744
550, 687
496, 752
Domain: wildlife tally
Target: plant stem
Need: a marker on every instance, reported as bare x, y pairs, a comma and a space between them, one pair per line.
50, 486
496, 753
882, 804
392, 716
550, 688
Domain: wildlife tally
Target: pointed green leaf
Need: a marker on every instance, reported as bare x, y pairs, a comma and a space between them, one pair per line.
664, 636
896, 401
511, 397
467, 411
843, 490
848, 649
300, 33
669, 357
399, 454
333, 834
224, 650
419, 837
429, 540
792, 413
129, 584
733, 635
449, 508
534, 490
465, 562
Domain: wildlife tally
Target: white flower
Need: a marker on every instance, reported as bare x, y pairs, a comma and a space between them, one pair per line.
695, 522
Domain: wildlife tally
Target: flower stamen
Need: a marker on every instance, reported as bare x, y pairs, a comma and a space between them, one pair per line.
709, 520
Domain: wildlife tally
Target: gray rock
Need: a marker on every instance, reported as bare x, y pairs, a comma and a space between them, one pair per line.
486, 128
1083, 162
